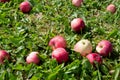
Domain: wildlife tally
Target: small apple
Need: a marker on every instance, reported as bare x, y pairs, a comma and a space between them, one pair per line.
33, 58
77, 24
4, 1
77, 3
104, 47
60, 54
83, 46
3, 55
25, 7
92, 57
111, 8
57, 42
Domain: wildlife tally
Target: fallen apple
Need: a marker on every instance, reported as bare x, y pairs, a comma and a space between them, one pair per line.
104, 47
57, 42
92, 57
83, 46
33, 58
77, 3
3, 55
4, 1
25, 7
111, 8
77, 24
60, 54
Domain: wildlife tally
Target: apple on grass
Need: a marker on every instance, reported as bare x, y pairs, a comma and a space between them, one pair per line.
4, 1
60, 54
33, 58
57, 42
3, 55
92, 57
77, 24
111, 8
77, 3
104, 47
83, 46
25, 7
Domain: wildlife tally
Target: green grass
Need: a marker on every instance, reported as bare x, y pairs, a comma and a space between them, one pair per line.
21, 34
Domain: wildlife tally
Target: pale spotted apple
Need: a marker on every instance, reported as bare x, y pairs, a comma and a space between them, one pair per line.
83, 46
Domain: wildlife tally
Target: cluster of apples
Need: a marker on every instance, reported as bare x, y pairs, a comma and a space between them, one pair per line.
58, 43
84, 47
26, 6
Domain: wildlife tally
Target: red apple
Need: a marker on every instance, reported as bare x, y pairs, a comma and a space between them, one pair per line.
104, 47
60, 54
25, 7
33, 58
77, 24
77, 3
57, 42
3, 55
83, 46
4, 1
92, 57
111, 8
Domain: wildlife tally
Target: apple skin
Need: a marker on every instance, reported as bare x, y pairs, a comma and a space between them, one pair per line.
104, 47
111, 8
77, 3
25, 7
4, 1
60, 54
3, 55
57, 42
83, 46
92, 57
33, 58
77, 24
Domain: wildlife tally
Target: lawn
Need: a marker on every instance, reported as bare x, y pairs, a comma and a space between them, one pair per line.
22, 33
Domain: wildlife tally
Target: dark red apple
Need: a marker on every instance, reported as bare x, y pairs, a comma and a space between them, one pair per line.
4, 1
25, 7
60, 54
77, 3
77, 24
111, 8
33, 58
3, 55
57, 42
92, 57
104, 47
